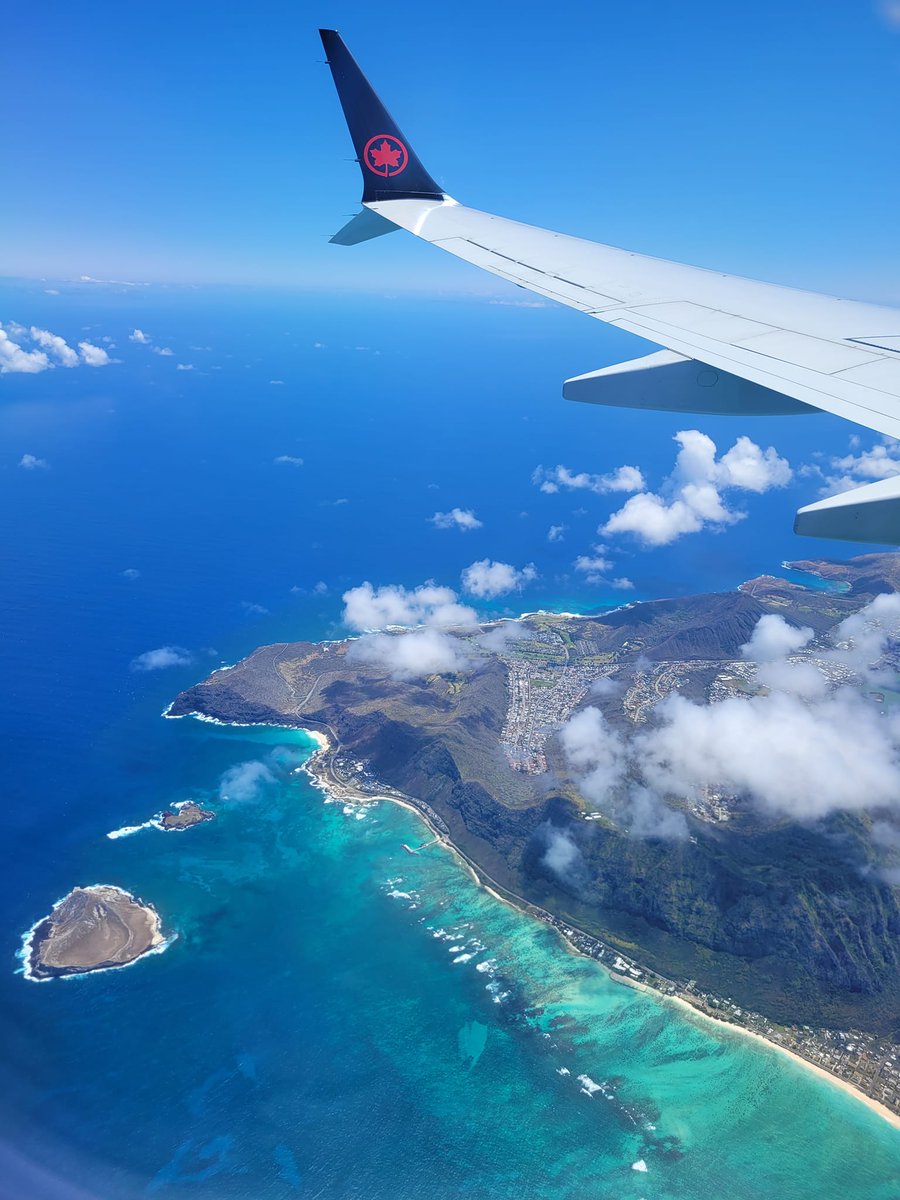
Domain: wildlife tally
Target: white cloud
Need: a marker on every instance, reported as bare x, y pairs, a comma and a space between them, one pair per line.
289, 460
30, 462
774, 638
842, 472
457, 518
15, 360
890, 13
185, 367
165, 656
594, 564
596, 567
802, 747
691, 499
245, 781
367, 607
416, 654
556, 533
94, 356
138, 335
254, 610
623, 479
561, 854
163, 351
487, 579
803, 758
596, 752
56, 345
131, 573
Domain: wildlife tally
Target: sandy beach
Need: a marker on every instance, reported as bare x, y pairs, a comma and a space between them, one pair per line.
875, 1106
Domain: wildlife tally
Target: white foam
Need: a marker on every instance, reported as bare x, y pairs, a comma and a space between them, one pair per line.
454, 949
488, 966
128, 830
640, 1165
463, 958
397, 895
588, 1086
563, 1071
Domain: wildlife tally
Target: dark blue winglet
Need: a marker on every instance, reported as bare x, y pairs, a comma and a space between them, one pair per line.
391, 170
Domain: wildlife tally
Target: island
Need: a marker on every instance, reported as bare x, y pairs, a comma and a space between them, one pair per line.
785, 928
93, 928
184, 815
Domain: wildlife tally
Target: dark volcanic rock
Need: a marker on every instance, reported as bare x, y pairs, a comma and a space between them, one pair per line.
789, 920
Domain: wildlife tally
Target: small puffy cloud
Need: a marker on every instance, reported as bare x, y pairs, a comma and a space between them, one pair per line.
138, 335
367, 607
276, 382
185, 367
165, 656
30, 462
416, 654
288, 460
596, 567
457, 518
254, 610
774, 638
245, 781
501, 636
840, 473
596, 752
487, 579
553, 479
57, 346
321, 588
163, 351
15, 360
131, 573
93, 356
691, 499
561, 854
595, 564
556, 533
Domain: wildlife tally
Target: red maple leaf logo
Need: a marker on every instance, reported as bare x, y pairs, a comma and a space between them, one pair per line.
385, 155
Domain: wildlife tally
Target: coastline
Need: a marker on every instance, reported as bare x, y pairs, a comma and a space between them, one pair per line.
875, 1106
339, 792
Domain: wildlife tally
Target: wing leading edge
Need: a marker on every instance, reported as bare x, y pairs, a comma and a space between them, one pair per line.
735, 345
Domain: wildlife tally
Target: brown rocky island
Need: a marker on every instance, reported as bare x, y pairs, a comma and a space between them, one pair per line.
92, 929
183, 816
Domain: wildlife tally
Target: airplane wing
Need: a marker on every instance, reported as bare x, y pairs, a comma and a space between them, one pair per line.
731, 345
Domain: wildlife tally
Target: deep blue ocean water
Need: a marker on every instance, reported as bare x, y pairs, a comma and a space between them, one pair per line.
306, 1034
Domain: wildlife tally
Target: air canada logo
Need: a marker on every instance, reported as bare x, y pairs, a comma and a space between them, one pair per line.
385, 155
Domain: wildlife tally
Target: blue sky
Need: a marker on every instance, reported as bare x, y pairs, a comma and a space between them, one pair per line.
200, 143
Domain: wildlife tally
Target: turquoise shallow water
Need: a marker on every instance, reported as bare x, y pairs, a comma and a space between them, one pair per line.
306, 1035
339, 1018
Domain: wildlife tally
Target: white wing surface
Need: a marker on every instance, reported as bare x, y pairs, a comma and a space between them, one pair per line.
734, 345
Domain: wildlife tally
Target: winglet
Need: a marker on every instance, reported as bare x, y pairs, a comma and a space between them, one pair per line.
391, 170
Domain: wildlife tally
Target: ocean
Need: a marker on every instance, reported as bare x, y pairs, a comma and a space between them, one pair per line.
333, 1017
